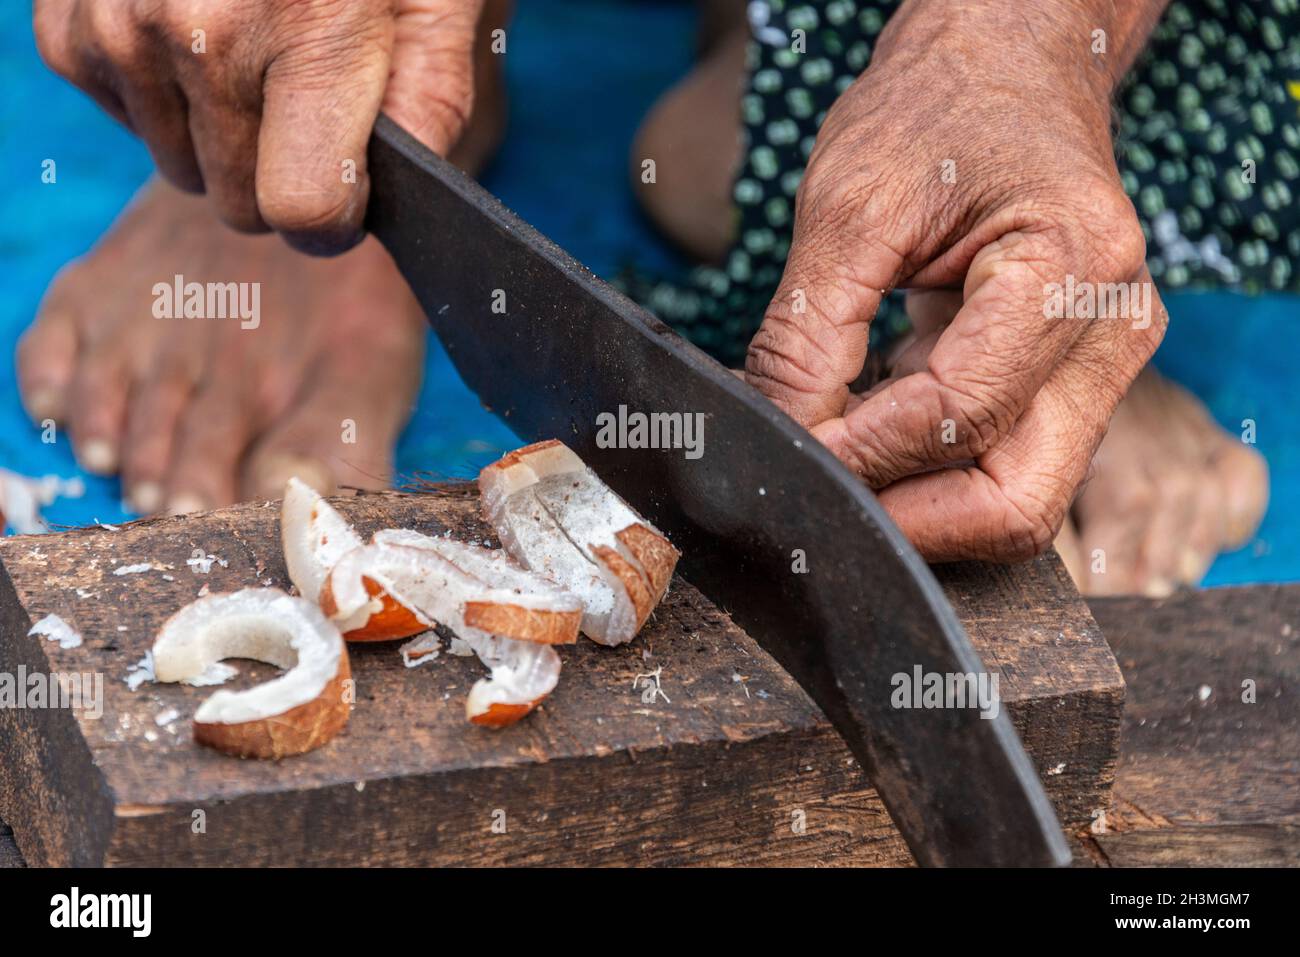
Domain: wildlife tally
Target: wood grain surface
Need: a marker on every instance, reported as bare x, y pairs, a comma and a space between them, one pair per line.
1207, 775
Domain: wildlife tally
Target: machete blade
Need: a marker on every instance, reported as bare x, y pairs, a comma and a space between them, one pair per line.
567, 348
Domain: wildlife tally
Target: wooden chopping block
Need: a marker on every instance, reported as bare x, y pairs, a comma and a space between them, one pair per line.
1209, 773
729, 762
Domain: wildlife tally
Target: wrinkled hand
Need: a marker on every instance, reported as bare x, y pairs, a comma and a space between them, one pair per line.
267, 105
972, 163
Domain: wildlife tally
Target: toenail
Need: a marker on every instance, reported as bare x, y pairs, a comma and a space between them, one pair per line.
43, 403
276, 471
146, 498
1190, 567
98, 456
1158, 588
185, 503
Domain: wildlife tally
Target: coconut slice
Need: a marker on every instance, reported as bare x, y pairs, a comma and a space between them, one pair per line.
296, 712
314, 536
523, 674
557, 517
358, 595
457, 585
502, 598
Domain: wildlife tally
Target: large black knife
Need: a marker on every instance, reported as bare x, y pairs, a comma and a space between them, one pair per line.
771, 527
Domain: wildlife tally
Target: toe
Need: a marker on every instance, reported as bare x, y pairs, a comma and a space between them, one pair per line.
213, 433
340, 432
1167, 534
46, 358
1243, 476
97, 410
154, 412
1111, 516
1205, 530
327, 441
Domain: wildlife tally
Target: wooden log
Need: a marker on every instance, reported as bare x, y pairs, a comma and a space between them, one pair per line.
731, 764
1210, 761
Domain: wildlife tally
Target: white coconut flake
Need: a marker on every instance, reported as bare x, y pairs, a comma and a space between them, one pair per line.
202, 565
133, 569
54, 628
217, 673
422, 649
22, 498
141, 672
460, 648
166, 717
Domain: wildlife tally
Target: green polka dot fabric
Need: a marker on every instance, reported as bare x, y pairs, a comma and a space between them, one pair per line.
1208, 145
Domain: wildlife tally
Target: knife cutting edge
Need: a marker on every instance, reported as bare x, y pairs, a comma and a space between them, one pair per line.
561, 347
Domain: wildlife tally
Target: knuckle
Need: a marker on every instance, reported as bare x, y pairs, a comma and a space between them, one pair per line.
783, 354
1126, 253
1095, 228
53, 41
1116, 242
976, 406
115, 31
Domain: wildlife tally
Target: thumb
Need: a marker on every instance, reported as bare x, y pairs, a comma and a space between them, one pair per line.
320, 98
813, 341
431, 90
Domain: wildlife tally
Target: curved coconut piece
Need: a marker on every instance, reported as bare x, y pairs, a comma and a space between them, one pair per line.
523, 674
557, 517
314, 536
460, 586
296, 712
503, 598
358, 596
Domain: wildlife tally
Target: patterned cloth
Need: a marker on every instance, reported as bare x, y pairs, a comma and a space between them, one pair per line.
1208, 145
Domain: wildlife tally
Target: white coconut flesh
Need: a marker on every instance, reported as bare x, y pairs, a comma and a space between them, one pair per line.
522, 671
500, 577
529, 533
263, 624
314, 535
552, 513
381, 564
548, 458
432, 586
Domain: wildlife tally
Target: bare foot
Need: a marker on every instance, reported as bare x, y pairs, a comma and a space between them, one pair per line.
1170, 490
200, 412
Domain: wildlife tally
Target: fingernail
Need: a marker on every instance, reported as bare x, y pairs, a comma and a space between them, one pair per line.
97, 456
43, 403
186, 503
146, 498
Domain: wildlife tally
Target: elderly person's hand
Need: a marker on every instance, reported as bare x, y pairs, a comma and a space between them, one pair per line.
267, 105
972, 164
